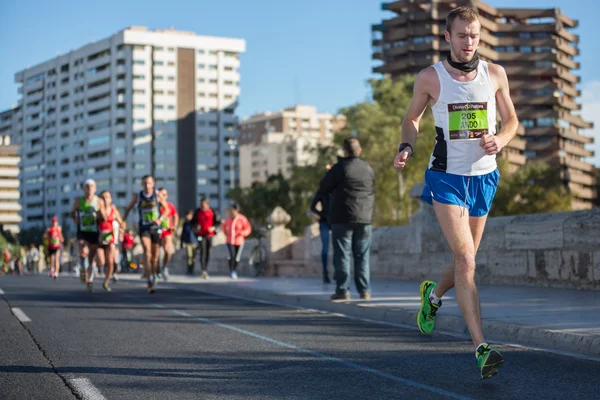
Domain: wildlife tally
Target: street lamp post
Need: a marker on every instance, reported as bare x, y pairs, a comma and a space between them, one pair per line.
232, 144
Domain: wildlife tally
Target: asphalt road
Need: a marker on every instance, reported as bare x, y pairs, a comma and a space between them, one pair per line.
184, 344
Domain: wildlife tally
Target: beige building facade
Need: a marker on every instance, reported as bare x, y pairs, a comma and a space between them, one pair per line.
275, 142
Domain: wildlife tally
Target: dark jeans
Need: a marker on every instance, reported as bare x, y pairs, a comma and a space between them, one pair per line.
351, 240
204, 246
235, 255
324, 228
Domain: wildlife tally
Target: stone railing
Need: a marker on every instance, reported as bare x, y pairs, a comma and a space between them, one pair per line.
553, 249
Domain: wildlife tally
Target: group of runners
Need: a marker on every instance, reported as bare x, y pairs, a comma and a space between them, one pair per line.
100, 225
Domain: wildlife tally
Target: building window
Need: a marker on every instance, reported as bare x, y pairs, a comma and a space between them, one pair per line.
139, 121
139, 77
139, 106
201, 66
171, 78
200, 51
212, 52
139, 62
212, 67
159, 107
158, 63
98, 140
159, 78
171, 107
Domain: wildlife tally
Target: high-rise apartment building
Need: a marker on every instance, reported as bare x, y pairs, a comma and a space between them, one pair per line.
275, 142
139, 102
9, 185
538, 53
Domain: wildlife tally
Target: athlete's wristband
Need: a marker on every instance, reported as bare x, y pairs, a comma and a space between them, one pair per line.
404, 146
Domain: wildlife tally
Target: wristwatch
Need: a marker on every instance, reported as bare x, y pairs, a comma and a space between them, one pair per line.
404, 146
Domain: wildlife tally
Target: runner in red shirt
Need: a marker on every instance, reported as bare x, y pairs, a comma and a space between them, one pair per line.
106, 253
167, 229
55, 240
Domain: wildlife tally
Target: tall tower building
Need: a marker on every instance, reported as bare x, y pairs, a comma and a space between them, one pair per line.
139, 102
537, 50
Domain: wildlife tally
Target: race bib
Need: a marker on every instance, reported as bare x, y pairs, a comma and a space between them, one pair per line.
467, 120
55, 241
149, 215
107, 237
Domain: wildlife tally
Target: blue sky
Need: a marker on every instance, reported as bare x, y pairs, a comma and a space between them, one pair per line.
311, 51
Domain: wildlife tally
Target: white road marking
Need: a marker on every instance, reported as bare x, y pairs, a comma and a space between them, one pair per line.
21, 316
349, 364
86, 389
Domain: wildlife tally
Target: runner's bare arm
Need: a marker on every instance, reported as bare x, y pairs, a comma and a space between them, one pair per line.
73, 213
102, 209
118, 218
62, 239
506, 108
132, 203
175, 220
418, 105
165, 212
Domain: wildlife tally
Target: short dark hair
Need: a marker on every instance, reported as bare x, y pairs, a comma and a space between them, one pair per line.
235, 206
146, 177
203, 199
190, 211
160, 189
463, 13
352, 146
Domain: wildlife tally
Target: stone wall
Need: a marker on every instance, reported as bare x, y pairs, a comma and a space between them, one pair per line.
553, 249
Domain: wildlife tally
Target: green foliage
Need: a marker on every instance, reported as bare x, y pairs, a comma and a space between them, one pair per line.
534, 188
258, 201
33, 235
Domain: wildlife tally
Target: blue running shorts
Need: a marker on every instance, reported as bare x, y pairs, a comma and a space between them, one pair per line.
473, 192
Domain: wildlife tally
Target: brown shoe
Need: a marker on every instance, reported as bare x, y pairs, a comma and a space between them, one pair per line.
365, 296
340, 296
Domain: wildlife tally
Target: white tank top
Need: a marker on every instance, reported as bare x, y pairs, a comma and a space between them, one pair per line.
463, 113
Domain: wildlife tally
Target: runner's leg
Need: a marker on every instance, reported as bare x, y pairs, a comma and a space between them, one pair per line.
457, 231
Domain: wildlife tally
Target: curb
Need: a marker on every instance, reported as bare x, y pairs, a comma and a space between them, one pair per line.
587, 345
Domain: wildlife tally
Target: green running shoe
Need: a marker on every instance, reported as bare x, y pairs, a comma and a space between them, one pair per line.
426, 316
488, 361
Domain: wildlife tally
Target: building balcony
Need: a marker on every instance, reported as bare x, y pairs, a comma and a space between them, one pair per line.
567, 76
572, 135
581, 178
517, 143
102, 103
575, 120
578, 165
514, 158
98, 76
576, 150
10, 206
543, 146
14, 195
582, 192
9, 218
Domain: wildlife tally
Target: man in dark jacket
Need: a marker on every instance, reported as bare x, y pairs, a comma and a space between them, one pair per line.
324, 227
351, 183
189, 241
205, 222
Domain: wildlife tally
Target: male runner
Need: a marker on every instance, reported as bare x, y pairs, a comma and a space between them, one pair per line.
462, 177
148, 203
87, 211
55, 241
167, 227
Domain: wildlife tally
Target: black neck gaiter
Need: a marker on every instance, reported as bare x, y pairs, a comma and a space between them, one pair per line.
466, 67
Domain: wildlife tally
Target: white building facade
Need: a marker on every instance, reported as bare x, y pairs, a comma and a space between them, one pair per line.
139, 102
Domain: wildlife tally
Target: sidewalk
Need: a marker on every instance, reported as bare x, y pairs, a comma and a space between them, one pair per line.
558, 319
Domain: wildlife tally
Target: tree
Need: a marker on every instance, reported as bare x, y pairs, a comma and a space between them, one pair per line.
33, 235
258, 201
534, 188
